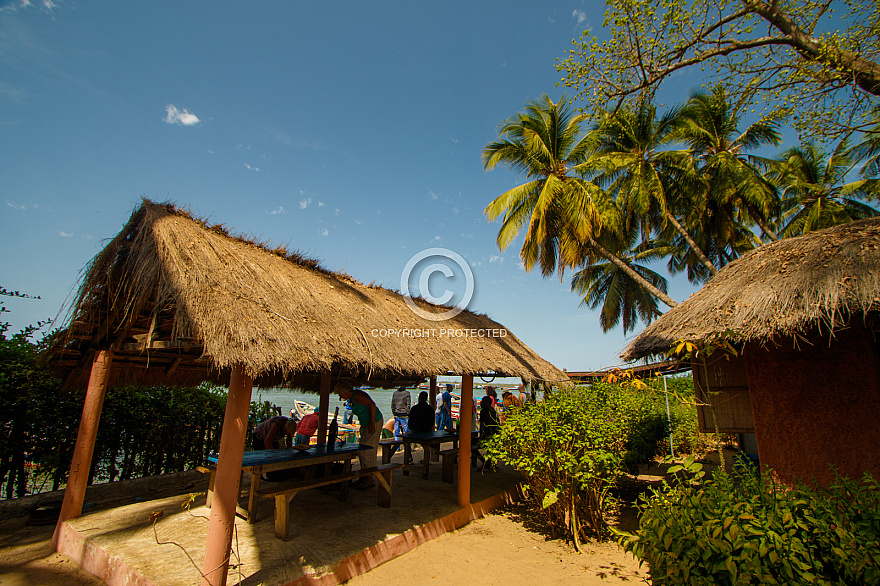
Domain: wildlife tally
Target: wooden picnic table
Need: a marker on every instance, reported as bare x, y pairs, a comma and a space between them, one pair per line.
259, 462
430, 440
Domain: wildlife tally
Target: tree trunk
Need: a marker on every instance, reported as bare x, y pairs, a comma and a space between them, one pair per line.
692, 243
865, 73
619, 263
766, 229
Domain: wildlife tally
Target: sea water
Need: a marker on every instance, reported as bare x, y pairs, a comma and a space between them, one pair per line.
284, 398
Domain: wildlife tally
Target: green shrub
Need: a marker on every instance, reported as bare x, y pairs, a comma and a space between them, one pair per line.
573, 446
740, 528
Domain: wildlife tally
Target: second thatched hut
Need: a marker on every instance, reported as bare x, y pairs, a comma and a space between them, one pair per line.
804, 314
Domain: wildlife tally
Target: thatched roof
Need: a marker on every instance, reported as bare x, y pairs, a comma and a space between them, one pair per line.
817, 280
180, 302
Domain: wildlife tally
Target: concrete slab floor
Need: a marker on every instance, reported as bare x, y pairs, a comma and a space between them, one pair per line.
331, 540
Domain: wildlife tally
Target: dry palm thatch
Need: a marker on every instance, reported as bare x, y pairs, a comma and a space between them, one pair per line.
180, 302
819, 280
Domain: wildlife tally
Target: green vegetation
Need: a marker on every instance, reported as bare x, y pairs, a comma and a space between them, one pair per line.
638, 185
741, 528
574, 446
814, 62
614, 188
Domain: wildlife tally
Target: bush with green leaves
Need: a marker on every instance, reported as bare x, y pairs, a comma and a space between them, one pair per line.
33, 414
573, 446
742, 528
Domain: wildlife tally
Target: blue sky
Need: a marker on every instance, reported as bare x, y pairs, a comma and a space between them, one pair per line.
349, 131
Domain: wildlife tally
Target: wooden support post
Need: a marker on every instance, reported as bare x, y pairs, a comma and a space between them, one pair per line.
81, 462
465, 418
433, 396
226, 485
324, 406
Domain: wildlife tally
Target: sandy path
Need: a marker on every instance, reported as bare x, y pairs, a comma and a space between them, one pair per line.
499, 550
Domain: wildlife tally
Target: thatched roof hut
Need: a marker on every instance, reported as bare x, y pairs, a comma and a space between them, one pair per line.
779, 290
804, 314
180, 302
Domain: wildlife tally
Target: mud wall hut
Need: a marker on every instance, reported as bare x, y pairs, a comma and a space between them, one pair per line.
805, 314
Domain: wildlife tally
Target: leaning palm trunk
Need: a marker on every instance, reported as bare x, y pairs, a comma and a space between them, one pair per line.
619, 263
771, 234
692, 243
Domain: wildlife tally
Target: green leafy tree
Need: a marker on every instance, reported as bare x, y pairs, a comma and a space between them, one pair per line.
556, 206
736, 193
622, 299
815, 61
815, 193
651, 183
566, 216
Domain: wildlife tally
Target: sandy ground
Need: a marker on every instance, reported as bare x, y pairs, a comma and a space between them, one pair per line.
497, 549
501, 548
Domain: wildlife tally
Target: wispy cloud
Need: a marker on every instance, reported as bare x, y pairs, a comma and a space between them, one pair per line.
64, 234
13, 94
45, 5
250, 167
304, 203
278, 211
433, 195
580, 15
323, 231
16, 206
496, 258
182, 117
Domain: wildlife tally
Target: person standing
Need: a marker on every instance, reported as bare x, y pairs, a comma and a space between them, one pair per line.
444, 417
370, 419
401, 402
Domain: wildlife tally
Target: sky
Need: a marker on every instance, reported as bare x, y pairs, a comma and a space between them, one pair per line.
351, 132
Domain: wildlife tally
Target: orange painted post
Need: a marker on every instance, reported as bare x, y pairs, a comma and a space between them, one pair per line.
324, 406
81, 462
465, 418
226, 484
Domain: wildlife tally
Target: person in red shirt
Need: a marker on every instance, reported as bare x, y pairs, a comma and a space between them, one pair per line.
308, 425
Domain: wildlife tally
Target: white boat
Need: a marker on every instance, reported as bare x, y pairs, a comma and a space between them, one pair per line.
301, 409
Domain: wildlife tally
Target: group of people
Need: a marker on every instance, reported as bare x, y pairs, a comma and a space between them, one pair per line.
406, 418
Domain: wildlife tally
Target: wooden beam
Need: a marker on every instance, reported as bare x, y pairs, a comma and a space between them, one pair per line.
465, 418
226, 483
81, 462
324, 406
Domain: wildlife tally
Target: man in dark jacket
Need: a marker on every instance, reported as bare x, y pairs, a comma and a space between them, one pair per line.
421, 416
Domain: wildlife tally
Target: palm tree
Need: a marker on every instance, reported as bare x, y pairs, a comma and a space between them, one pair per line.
563, 213
737, 194
646, 181
814, 195
869, 148
621, 297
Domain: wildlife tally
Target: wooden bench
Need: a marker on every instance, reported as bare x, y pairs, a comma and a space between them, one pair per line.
283, 492
389, 447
